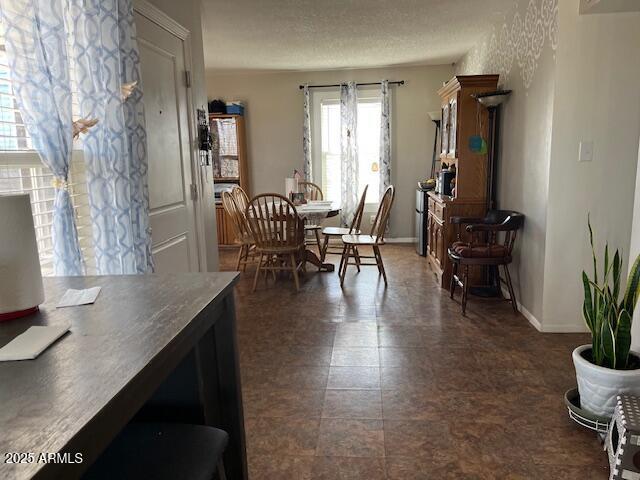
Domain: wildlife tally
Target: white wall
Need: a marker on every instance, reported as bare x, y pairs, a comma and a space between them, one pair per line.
575, 79
597, 98
525, 133
634, 251
274, 125
188, 14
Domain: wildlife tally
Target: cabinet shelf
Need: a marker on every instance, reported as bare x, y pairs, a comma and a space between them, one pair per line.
226, 179
231, 160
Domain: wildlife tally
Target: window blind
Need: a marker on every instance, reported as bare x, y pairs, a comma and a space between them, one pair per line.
21, 171
13, 135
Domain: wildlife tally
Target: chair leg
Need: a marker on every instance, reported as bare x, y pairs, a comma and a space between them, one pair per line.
317, 232
512, 294
325, 247
344, 251
453, 283
255, 277
245, 258
356, 254
380, 263
465, 289
344, 263
221, 473
496, 280
250, 252
239, 259
294, 270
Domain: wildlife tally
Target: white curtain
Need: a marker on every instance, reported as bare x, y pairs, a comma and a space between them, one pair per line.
349, 151
107, 59
107, 67
307, 168
385, 138
36, 44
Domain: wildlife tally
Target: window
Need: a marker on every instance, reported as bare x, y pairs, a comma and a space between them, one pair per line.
22, 171
368, 138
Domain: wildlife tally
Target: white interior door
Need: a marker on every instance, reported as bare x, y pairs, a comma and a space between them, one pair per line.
172, 211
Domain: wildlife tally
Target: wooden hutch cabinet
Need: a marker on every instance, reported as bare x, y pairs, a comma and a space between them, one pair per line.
229, 166
462, 118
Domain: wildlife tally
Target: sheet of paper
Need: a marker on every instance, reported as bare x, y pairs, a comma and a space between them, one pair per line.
79, 297
31, 343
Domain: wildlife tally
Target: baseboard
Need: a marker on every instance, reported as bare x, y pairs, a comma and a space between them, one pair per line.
565, 328
553, 328
401, 240
337, 241
530, 317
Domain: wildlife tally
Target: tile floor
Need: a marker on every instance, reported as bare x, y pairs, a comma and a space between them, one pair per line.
372, 383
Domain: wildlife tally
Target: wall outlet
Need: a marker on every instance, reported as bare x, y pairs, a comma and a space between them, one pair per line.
372, 218
585, 152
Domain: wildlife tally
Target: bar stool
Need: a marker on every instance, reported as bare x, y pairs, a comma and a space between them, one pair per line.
163, 451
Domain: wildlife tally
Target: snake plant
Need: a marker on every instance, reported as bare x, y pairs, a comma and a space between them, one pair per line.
608, 317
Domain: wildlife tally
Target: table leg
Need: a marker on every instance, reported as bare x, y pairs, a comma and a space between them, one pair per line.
224, 406
311, 257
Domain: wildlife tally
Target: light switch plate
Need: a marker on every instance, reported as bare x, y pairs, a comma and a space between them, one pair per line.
585, 152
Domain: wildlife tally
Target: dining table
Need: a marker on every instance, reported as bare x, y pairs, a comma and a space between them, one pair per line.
313, 213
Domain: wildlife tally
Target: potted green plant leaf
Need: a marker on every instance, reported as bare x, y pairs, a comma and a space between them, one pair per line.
607, 367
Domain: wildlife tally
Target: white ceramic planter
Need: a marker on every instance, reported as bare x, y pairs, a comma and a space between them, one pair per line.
599, 386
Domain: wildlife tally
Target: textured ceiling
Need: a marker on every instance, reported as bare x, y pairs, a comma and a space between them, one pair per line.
332, 34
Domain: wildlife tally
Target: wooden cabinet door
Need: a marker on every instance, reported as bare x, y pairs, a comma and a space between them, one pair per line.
444, 137
431, 242
440, 247
226, 235
220, 225
453, 127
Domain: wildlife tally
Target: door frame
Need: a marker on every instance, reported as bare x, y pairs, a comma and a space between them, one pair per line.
157, 16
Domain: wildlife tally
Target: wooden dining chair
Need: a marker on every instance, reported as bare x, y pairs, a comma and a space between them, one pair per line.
241, 230
241, 198
278, 233
337, 232
312, 192
375, 239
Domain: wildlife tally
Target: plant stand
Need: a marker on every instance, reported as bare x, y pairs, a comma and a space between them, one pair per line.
598, 424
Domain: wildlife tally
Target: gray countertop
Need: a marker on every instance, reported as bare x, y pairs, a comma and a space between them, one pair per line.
135, 322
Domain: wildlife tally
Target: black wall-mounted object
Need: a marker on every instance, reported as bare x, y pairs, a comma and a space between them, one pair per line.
204, 137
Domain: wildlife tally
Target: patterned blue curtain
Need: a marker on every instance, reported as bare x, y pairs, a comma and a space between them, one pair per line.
306, 137
385, 138
349, 151
106, 58
36, 44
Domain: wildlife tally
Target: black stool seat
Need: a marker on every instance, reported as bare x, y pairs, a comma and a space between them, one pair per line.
161, 451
